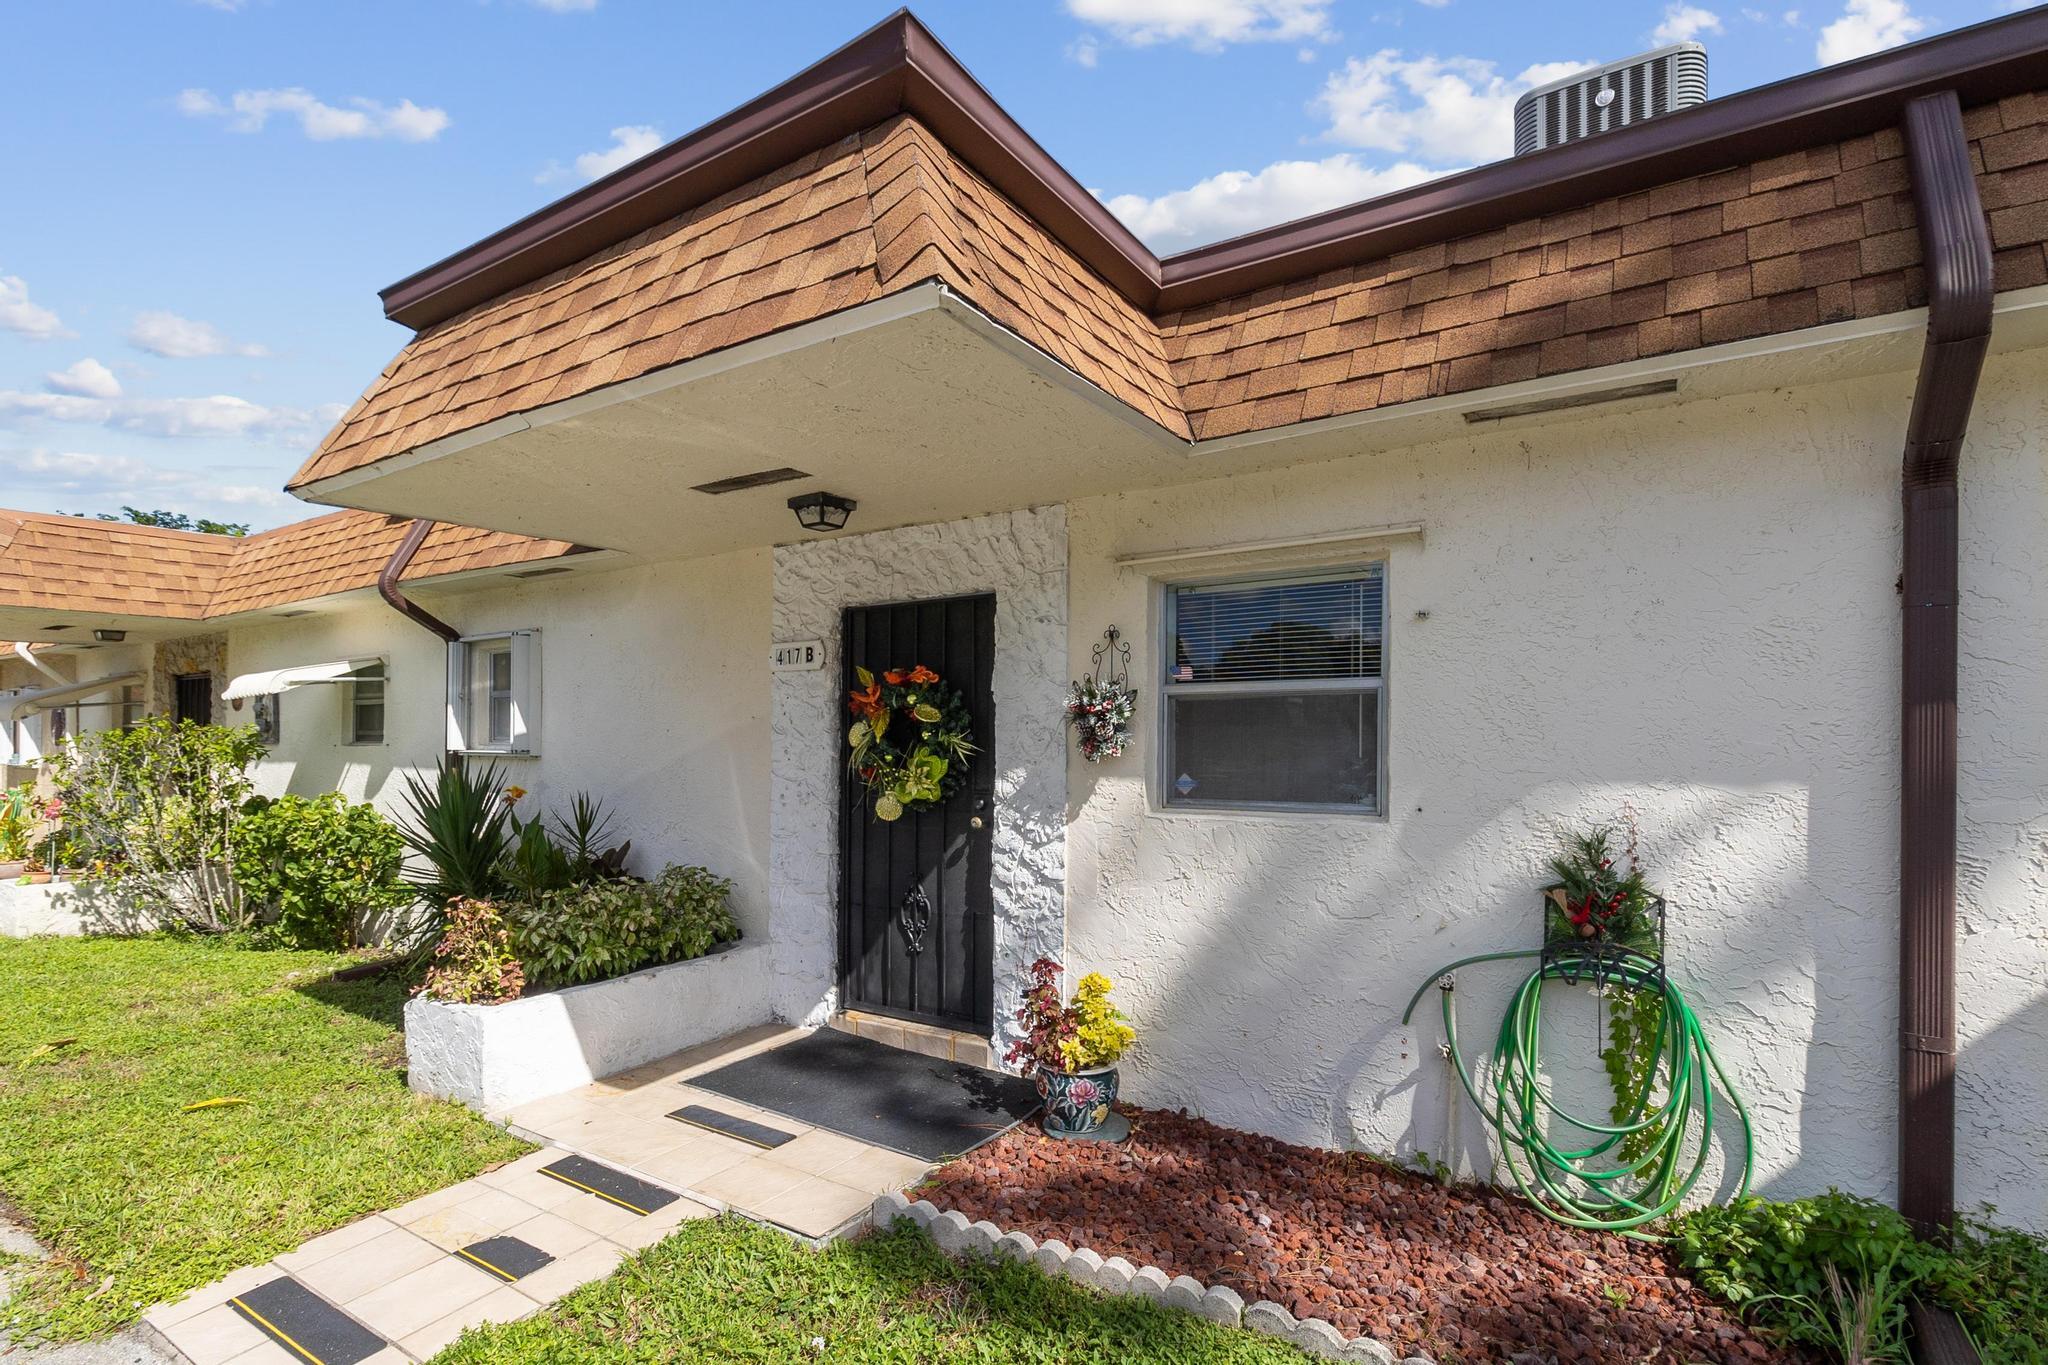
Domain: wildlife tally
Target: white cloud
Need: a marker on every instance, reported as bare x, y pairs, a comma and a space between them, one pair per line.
1208, 24
18, 315
218, 415
86, 379
1866, 26
179, 338
88, 483
629, 144
1243, 201
248, 111
1084, 51
1442, 110
1684, 24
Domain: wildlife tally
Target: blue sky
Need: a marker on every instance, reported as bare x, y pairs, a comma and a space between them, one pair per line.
203, 196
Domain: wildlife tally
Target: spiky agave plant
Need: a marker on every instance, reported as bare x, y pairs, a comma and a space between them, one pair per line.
459, 830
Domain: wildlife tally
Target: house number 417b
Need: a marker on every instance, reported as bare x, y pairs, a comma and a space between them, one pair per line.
798, 656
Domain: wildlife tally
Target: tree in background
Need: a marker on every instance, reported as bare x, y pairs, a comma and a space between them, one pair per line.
169, 521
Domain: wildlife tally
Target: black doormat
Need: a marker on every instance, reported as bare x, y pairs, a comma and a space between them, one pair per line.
731, 1125
613, 1186
506, 1257
305, 1324
905, 1101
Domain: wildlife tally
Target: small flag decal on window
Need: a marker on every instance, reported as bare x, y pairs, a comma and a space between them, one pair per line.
1185, 785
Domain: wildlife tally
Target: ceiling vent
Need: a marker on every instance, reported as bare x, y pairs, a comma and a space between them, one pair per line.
1604, 98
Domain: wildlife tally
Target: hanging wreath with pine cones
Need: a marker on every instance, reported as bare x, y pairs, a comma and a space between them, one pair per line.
911, 739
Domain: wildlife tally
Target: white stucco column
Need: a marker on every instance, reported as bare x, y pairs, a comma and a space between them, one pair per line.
1021, 557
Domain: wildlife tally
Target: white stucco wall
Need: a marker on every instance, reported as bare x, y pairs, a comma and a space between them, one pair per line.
1689, 609
1022, 558
651, 698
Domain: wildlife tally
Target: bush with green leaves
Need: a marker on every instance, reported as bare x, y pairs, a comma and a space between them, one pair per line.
1837, 1272
322, 868
18, 809
151, 806
473, 961
602, 929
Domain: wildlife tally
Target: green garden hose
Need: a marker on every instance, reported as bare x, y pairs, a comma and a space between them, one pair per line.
1628, 1173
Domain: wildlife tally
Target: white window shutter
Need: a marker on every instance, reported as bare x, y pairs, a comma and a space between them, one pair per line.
458, 695
525, 737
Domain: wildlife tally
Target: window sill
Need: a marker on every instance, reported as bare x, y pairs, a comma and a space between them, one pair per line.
1339, 815
499, 753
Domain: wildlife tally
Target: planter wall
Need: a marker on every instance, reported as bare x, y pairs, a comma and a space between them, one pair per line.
496, 1057
40, 908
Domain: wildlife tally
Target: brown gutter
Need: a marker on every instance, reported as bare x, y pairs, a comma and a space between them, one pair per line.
387, 582
1955, 249
898, 67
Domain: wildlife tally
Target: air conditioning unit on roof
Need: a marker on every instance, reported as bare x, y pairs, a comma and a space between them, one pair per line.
1588, 103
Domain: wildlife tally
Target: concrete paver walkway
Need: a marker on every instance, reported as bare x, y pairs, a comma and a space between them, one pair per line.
416, 1276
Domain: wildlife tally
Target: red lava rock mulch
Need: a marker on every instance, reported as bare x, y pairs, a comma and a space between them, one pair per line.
1463, 1274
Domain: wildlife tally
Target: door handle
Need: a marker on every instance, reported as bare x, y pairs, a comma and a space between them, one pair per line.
974, 822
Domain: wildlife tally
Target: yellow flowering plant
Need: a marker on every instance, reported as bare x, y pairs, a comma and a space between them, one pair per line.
1100, 1034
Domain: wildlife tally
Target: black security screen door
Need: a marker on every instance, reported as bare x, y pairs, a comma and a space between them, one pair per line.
915, 913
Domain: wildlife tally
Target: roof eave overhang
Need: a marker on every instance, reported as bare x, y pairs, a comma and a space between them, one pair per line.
898, 67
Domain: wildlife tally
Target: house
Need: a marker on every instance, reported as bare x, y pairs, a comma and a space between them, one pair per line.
1561, 490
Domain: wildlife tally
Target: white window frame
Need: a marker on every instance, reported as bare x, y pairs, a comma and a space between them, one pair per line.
351, 717
469, 683
1165, 801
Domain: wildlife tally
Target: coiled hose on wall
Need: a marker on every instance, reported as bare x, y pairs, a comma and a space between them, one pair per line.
1628, 1173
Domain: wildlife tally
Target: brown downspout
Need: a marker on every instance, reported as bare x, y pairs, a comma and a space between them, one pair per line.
387, 585
1955, 249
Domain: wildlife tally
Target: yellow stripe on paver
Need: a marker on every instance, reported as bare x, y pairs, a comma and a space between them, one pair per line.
608, 1198
277, 1331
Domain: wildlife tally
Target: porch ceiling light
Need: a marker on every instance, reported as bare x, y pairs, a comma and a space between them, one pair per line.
822, 511
110, 637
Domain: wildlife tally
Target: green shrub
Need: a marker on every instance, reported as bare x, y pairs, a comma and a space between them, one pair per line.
473, 962
322, 867
597, 930
151, 807
1773, 1261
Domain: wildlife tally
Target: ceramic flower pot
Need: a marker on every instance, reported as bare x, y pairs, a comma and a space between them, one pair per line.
1077, 1103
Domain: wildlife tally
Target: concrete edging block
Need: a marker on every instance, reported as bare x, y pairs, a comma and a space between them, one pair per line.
1216, 1303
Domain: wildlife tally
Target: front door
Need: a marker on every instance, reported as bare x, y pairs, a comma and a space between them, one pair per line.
194, 699
915, 912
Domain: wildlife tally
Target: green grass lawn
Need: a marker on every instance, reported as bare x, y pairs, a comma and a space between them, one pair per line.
103, 1042
727, 1290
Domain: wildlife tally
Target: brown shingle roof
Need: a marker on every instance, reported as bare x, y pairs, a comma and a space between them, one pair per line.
1805, 235
83, 565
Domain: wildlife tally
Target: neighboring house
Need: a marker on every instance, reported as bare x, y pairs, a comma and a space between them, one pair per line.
1562, 487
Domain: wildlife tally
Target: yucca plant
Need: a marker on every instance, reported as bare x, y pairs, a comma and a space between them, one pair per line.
459, 828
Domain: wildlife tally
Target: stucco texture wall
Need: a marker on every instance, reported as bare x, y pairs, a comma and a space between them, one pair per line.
1022, 558
651, 698
1689, 610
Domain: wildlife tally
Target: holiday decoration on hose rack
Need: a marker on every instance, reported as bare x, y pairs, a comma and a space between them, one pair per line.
1603, 927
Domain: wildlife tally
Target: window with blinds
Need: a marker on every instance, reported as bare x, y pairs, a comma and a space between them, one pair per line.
1274, 690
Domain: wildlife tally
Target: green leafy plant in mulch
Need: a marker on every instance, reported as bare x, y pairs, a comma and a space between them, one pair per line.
106, 1046
322, 869
726, 1290
1837, 1272
596, 930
